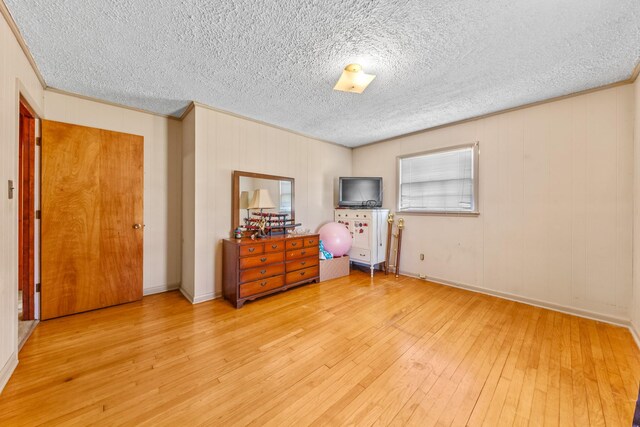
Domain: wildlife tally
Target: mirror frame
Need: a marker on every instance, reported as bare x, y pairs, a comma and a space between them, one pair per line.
235, 193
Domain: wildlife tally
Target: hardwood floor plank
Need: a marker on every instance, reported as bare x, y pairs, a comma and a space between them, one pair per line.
566, 380
351, 351
582, 412
490, 387
517, 376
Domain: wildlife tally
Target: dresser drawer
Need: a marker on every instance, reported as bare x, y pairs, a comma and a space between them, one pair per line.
358, 254
258, 260
274, 247
261, 272
310, 242
260, 286
302, 253
300, 275
294, 244
254, 249
301, 263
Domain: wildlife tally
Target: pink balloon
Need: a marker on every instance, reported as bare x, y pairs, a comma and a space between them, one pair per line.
336, 238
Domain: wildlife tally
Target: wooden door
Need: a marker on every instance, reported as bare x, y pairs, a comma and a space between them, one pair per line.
92, 184
26, 212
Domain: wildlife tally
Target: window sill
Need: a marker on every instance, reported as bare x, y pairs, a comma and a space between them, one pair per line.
437, 213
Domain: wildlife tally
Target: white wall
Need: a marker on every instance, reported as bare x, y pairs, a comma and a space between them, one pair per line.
556, 204
224, 143
162, 177
635, 308
16, 76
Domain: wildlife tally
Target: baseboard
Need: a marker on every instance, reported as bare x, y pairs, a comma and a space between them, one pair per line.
7, 370
206, 297
159, 289
618, 321
186, 294
201, 298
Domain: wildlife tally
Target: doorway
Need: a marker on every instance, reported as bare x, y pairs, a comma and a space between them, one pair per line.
28, 183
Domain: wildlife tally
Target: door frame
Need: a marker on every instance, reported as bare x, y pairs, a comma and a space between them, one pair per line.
28, 179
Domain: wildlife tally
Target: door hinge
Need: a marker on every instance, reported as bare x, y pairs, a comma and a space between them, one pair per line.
38, 214
39, 141
38, 287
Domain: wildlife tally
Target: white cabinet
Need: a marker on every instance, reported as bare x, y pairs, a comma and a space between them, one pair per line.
368, 228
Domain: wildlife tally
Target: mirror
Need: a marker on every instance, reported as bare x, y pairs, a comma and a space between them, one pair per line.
255, 192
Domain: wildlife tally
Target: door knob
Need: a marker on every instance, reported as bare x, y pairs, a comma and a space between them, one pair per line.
137, 226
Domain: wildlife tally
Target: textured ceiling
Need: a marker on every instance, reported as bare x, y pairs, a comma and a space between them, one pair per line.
436, 61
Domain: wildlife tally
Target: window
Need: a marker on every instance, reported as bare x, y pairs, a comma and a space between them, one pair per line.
285, 196
439, 181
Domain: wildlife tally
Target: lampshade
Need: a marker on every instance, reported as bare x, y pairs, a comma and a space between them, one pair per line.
353, 79
261, 200
244, 200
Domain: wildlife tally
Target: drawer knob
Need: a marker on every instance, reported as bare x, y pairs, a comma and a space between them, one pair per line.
263, 259
361, 254
274, 246
303, 252
294, 243
252, 249
263, 271
302, 273
303, 262
263, 284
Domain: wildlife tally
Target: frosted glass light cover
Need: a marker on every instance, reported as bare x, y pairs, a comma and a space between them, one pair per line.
353, 79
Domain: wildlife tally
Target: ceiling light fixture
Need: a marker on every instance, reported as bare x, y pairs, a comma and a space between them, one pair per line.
353, 79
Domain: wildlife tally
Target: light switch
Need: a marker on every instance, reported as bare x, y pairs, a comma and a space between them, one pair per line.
11, 188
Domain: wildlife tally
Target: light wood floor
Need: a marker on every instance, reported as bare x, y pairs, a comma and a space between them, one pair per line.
349, 351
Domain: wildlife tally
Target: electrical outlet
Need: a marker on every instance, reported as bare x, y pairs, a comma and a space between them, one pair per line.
421, 257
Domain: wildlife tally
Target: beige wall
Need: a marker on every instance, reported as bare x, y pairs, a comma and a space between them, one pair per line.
224, 143
188, 201
556, 203
16, 76
635, 308
162, 178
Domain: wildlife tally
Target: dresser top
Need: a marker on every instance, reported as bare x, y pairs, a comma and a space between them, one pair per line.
257, 240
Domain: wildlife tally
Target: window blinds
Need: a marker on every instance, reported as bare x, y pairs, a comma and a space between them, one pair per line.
441, 181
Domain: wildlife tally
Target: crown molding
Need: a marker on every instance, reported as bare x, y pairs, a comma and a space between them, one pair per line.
184, 114
23, 45
634, 74
512, 109
187, 110
238, 116
109, 103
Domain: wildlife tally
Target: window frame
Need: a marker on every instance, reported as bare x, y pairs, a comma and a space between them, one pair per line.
475, 153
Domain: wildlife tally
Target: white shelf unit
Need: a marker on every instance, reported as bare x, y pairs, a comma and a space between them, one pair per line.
368, 228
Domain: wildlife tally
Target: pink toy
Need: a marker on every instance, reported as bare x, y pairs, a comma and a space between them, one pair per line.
336, 238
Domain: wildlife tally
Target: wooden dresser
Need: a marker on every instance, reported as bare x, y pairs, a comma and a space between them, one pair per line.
255, 268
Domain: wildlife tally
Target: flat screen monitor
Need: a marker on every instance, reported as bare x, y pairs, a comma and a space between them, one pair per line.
360, 192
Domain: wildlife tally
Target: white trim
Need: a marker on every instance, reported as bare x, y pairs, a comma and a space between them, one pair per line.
26, 338
7, 370
160, 289
207, 297
200, 298
618, 321
186, 294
